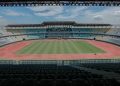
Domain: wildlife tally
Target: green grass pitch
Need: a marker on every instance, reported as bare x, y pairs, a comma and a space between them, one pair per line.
60, 47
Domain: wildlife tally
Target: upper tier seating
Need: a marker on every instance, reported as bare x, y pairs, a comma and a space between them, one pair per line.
114, 31
59, 32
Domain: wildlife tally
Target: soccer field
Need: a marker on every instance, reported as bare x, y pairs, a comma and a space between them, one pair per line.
60, 47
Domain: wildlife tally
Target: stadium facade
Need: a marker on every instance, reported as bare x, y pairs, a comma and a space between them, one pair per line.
61, 29
84, 72
67, 29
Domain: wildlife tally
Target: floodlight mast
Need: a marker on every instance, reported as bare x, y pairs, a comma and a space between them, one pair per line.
59, 3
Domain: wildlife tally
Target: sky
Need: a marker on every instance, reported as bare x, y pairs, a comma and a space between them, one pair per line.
80, 14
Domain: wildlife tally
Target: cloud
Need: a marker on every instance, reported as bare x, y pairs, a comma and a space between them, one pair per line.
83, 14
117, 13
12, 13
98, 17
70, 13
0, 16
47, 10
109, 15
74, 13
3, 22
65, 17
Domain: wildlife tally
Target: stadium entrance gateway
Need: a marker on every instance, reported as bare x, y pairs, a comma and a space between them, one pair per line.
58, 29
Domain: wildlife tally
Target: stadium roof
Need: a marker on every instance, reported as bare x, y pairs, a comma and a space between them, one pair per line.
59, 23
73, 23
59, 2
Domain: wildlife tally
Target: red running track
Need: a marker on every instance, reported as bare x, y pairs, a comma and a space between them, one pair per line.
9, 52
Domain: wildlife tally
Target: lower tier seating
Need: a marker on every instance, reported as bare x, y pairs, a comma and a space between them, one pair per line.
52, 75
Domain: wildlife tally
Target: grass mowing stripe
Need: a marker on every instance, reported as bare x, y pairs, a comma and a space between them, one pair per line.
64, 49
49, 48
26, 48
89, 49
86, 47
29, 49
38, 47
61, 47
43, 50
55, 49
75, 48
34, 49
93, 48
41, 47
68, 50
68, 47
45, 47
71, 47
52, 45
82, 46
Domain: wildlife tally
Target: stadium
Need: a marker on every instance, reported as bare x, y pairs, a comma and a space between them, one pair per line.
59, 43
41, 51
62, 40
